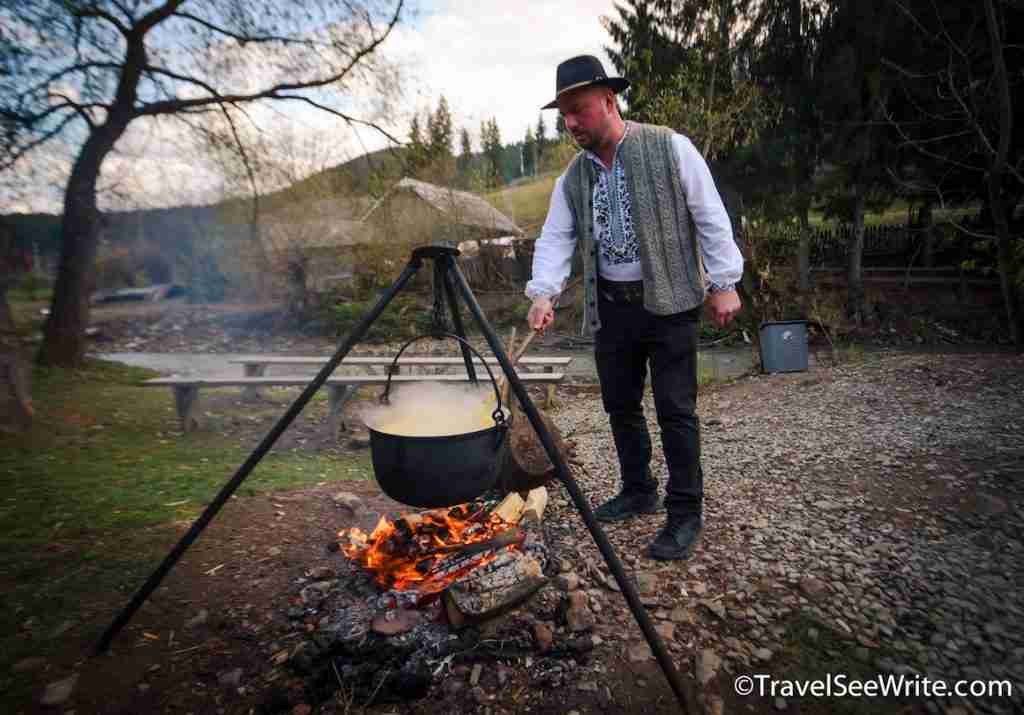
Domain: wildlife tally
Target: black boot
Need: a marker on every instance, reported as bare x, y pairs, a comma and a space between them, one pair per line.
677, 538
627, 504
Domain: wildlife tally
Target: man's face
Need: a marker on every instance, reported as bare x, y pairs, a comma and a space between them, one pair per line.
588, 114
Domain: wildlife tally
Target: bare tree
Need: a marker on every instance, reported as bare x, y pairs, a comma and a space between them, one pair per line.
961, 124
80, 72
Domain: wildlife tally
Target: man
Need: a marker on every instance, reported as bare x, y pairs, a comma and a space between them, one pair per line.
640, 204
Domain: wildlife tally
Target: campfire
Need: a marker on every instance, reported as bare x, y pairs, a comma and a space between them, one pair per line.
427, 552
478, 557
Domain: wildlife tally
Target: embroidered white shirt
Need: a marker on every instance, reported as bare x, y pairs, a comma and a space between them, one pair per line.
618, 253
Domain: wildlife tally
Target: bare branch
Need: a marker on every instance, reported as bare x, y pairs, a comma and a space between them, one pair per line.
274, 92
13, 157
95, 11
245, 39
82, 109
348, 119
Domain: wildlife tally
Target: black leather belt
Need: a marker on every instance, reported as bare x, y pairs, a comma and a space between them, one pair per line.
621, 291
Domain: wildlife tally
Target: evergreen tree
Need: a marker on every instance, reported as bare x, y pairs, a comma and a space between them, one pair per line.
417, 149
490, 139
529, 153
465, 152
643, 52
541, 137
440, 132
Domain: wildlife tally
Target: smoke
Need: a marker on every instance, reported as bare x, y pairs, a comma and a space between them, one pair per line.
430, 409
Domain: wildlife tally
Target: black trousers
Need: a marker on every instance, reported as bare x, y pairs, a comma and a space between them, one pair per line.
631, 340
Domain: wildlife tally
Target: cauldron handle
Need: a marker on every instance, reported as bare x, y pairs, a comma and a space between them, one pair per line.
498, 415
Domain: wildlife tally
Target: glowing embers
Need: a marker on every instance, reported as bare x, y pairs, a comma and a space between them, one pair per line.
428, 551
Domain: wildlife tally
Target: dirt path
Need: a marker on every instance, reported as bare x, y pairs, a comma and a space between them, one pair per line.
863, 519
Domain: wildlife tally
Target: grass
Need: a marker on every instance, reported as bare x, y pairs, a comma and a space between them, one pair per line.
91, 492
527, 203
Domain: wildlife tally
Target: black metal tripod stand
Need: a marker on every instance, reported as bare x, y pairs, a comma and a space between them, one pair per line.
446, 270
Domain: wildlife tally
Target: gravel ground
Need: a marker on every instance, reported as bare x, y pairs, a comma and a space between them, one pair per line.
880, 500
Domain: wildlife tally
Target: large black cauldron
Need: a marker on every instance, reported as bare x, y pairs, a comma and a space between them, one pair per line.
431, 472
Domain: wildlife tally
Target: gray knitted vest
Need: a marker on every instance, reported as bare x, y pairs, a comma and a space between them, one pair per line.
673, 272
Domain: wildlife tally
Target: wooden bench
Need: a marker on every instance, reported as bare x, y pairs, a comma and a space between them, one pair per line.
256, 366
339, 389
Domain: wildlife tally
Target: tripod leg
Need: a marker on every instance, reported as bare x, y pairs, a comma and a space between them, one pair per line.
264, 446
579, 500
449, 289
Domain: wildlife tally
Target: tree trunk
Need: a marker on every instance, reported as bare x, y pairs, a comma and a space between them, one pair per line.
927, 226
803, 251
855, 273
995, 176
1005, 258
64, 333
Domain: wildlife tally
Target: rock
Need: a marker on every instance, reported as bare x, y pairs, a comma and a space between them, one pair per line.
542, 636
58, 692
567, 581
638, 653
274, 551
862, 654
320, 573
780, 703
706, 665
349, 501
479, 695
813, 634
763, 654
395, 621
988, 505
579, 619
474, 675
453, 686
667, 631
302, 709
581, 644
715, 706
679, 615
230, 678
198, 619
27, 665
717, 608
813, 588
699, 589
588, 686
646, 582
578, 599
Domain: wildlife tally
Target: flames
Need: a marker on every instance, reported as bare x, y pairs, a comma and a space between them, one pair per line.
428, 551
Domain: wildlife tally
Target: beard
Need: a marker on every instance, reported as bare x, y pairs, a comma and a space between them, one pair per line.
584, 140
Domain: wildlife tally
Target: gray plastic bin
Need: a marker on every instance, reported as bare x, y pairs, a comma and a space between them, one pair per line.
784, 346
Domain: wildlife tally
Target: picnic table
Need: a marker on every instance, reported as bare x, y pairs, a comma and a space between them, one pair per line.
342, 387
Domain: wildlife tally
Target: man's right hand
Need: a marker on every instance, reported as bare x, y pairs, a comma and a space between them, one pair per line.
541, 315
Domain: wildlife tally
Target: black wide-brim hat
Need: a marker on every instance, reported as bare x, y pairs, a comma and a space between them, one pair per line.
583, 71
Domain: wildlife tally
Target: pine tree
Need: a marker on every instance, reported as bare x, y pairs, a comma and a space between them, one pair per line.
529, 153
542, 137
465, 152
490, 139
439, 132
417, 150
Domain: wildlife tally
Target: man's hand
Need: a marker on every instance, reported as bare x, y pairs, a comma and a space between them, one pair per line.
541, 314
723, 306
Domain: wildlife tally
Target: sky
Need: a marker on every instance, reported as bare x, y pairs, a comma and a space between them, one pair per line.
489, 58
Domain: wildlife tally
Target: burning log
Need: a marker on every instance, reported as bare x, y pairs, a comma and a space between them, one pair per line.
493, 589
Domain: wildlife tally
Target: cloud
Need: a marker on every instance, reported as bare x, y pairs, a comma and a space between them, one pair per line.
488, 58
492, 59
